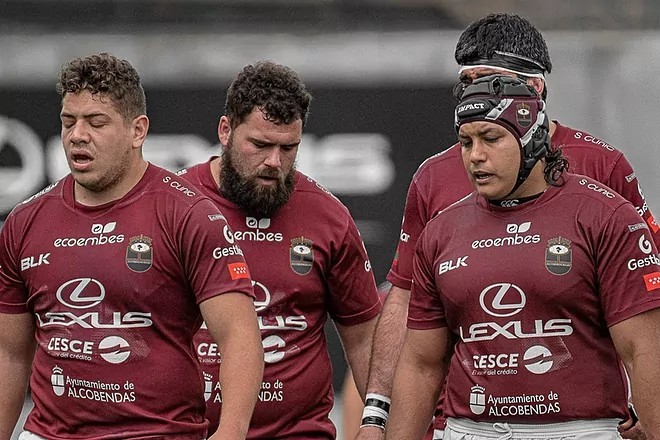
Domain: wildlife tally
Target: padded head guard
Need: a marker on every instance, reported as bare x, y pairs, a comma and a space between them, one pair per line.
511, 103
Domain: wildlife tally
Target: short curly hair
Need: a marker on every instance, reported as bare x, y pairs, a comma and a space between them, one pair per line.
273, 88
108, 76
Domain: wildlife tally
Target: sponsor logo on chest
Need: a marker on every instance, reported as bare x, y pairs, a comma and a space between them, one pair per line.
102, 234
517, 235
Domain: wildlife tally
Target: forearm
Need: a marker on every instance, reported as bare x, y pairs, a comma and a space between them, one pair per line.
17, 346
232, 321
387, 342
414, 397
14, 375
241, 374
645, 380
358, 352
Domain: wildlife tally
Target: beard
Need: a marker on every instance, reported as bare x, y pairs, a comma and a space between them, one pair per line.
245, 192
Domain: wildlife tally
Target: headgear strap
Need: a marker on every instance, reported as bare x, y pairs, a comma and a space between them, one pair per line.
509, 62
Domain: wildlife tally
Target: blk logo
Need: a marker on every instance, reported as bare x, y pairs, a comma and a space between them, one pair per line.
30, 262
446, 266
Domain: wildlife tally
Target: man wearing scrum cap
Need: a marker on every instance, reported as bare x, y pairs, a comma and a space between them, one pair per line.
504, 44
550, 306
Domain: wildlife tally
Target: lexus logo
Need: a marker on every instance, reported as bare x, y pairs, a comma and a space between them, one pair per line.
81, 293
502, 300
262, 296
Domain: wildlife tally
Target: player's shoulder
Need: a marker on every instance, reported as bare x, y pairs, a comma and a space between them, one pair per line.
41, 199
174, 187
440, 164
575, 142
582, 186
311, 193
193, 173
455, 211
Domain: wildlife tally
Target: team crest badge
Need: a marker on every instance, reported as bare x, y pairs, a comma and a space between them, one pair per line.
301, 255
139, 254
523, 115
559, 256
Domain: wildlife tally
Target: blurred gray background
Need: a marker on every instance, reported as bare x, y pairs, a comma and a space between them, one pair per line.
381, 72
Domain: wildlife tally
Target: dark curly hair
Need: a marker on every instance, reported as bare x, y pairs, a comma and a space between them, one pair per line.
108, 76
273, 88
507, 33
555, 166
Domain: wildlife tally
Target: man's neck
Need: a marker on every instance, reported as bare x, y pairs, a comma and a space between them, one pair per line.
96, 198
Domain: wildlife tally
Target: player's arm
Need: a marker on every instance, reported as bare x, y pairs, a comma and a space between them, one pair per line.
637, 341
417, 382
17, 346
388, 339
232, 322
391, 327
356, 340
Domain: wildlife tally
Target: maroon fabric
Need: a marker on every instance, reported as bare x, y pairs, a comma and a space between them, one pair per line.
530, 292
442, 180
296, 397
115, 291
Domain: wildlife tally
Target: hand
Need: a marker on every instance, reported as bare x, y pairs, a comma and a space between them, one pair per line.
370, 433
631, 430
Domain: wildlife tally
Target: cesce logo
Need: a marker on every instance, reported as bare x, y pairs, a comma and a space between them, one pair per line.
502, 300
81, 293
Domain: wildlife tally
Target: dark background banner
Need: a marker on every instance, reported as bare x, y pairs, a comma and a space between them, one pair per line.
363, 144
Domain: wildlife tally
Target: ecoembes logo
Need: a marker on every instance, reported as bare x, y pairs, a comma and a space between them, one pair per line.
256, 233
515, 237
101, 236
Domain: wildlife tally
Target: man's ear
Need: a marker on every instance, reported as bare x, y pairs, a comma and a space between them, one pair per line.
140, 129
538, 84
224, 130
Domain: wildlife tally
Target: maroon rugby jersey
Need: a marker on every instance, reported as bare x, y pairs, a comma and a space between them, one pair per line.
529, 292
306, 261
115, 292
442, 180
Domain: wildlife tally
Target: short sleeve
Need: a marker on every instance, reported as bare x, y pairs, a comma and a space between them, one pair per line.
624, 181
627, 266
425, 310
13, 292
353, 293
212, 259
414, 221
